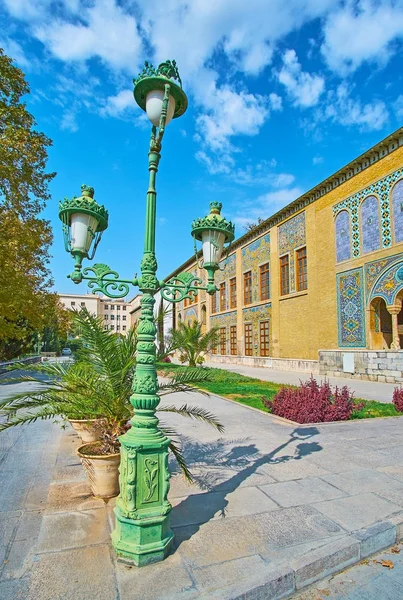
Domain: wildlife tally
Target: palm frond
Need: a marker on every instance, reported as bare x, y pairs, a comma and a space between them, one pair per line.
194, 412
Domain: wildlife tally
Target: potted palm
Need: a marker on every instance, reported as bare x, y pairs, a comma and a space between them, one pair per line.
98, 387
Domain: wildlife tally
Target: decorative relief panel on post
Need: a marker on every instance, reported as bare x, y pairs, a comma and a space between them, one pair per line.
382, 189
350, 309
253, 255
292, 235
254, 315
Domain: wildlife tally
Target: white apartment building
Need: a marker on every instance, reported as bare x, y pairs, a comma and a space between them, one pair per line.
115, 313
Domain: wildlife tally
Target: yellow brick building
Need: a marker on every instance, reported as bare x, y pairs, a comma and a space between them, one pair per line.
319, 280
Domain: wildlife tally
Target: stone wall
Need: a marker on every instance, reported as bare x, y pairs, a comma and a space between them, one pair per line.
277, 364
385, 366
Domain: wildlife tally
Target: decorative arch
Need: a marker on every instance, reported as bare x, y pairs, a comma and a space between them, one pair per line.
343, 236
388, 284
397, 206
370, 225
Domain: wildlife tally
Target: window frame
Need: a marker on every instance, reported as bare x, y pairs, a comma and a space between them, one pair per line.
267, 271
223, 341
223, 296
264, 341
284, 257
233, 340
214, 303
298, 269
232, 292
248, 339
245, 288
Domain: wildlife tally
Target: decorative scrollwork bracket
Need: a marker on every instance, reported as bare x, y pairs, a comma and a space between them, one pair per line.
107, 281
184, 285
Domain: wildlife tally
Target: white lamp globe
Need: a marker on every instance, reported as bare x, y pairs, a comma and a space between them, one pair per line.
154, 107
83, 228
213, 244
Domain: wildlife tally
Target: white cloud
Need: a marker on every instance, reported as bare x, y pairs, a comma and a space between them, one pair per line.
69, 122
16, 52
345, 110
108, 32
398, 106
229, 113
266, 205
317, 160
361, 31
115, 106
303, 88
276, 102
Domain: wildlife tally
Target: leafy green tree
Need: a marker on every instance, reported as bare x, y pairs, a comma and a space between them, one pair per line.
99, 386
24, 236
192, 343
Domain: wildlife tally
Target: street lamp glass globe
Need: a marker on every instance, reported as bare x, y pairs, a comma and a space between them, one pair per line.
154, 107
83, 228
213, 244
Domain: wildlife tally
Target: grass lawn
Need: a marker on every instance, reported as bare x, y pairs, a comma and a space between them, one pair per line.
250, 391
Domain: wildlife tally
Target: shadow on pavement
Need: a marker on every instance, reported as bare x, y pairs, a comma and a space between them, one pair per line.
214, 455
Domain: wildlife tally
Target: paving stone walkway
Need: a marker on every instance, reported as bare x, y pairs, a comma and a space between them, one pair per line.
275, 507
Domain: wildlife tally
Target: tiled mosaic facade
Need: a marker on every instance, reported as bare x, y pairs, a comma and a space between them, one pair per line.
255, 254
225, 320
390, 283
254, 315
370, 230
343, 236
351, 314
292, 235
381, 189
397, 201
373, 270
190, 314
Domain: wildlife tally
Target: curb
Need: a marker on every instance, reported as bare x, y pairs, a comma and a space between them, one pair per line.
284, 582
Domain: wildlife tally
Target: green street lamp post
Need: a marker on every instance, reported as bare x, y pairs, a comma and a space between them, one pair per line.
142, 534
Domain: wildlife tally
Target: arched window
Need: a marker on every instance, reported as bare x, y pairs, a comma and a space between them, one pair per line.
203, 314
370, 231
397, 202
343, 244
179, 317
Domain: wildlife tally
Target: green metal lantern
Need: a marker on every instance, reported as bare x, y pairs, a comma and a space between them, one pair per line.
84, 221
150, 88
213, 231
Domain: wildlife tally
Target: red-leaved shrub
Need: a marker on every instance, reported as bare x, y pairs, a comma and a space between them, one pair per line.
313, 403
398, 399
166, 359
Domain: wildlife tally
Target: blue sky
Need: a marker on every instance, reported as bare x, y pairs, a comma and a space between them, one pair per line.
281, 95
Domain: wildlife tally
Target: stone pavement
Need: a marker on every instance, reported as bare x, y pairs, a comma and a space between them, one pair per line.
275, 508
377, 578
370, 390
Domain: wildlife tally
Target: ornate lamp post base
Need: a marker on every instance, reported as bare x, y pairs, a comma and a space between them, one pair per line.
142, 541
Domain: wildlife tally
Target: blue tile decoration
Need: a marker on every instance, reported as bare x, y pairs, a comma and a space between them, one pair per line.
254, 315
350, 309
370, 230
255, 254
225, 320
397, 201
190, 314
382, 189
343, 236
389, 284
374, 269
292, 235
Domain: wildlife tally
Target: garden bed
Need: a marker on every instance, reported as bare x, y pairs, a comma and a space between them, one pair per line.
251, 391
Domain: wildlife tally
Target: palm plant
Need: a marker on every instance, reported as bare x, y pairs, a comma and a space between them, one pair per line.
192, 343
98, 386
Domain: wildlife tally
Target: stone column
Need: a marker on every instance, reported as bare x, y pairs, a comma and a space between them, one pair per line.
394, 310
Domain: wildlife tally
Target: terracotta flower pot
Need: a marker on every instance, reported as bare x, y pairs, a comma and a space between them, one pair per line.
87, 429
102, 471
